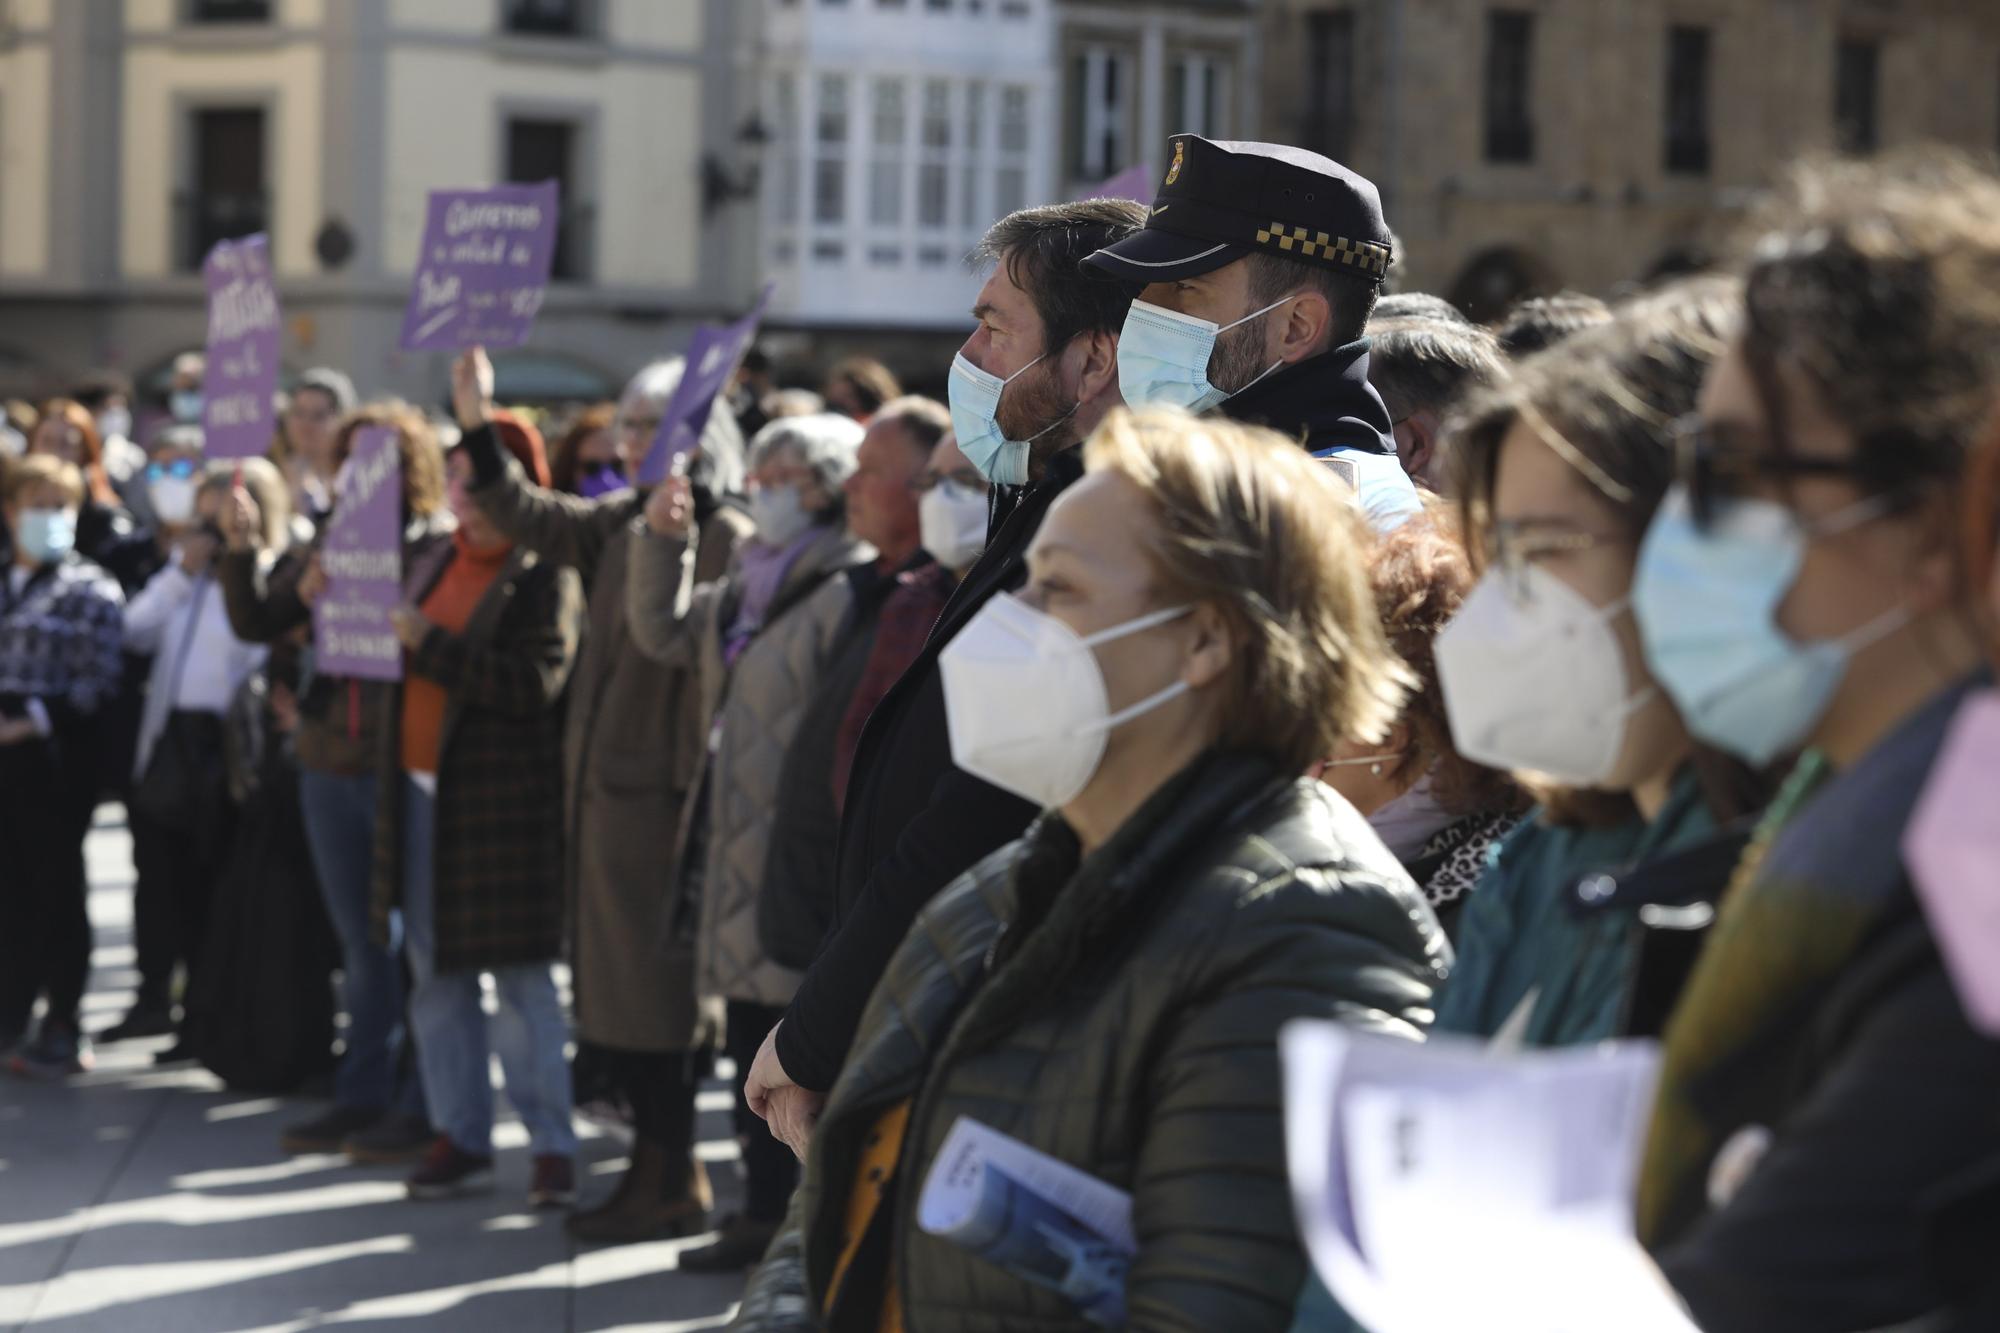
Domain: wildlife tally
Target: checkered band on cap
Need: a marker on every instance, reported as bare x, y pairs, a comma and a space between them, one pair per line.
1371, 258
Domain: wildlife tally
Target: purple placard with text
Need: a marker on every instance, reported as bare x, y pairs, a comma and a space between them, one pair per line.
482, 268
363, 560
711, 358
240, 386
1135, 182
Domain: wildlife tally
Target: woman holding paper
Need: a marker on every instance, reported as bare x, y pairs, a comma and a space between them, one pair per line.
634, 737
1196, 630
378, 1113
468, 836
1822, 1147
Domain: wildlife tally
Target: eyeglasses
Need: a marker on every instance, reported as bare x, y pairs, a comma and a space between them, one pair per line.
1718, 471
1512, 545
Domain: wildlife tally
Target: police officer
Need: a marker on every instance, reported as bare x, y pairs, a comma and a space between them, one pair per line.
1257, 268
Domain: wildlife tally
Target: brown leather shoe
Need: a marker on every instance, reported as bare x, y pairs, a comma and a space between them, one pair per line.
641, 1209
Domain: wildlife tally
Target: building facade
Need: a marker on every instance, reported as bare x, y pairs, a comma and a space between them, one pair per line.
1136, 71
1530, 145
135, 133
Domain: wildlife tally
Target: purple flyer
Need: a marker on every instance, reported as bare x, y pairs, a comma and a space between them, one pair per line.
483, 267
363, 559
711, 359
1135, 182
239, 390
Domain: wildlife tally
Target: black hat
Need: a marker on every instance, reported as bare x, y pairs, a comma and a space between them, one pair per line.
1221, 201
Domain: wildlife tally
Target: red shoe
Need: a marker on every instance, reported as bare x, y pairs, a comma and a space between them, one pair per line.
447, 1171
554, 1184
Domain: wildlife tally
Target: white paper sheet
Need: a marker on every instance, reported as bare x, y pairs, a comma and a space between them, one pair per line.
1448, 1186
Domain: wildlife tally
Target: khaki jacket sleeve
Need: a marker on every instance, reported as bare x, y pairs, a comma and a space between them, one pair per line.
566, 529
665, 610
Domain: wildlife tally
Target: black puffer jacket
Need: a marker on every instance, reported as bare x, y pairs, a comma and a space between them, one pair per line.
1121, 1015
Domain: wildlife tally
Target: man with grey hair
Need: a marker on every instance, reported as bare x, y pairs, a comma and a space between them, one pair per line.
634, 738
1424, 368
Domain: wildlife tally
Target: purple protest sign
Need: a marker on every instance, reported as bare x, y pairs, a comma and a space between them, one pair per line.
482, 268
241, 383
711, 359
1135, 182
363, 560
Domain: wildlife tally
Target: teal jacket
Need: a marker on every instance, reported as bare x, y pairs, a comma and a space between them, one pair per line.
1518, 939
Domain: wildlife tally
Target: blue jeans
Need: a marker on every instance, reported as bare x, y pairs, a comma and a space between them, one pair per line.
339, 815
453, 1033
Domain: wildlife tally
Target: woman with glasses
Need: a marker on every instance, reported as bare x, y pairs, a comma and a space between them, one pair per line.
634, 738
307, 447
1824, 1106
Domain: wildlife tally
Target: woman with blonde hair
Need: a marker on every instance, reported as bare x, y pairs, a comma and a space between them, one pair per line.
1197, 629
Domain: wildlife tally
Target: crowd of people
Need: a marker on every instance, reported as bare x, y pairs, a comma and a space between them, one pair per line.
1237, 644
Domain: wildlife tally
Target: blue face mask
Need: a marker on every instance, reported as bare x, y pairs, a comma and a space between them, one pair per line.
975, 407
1163, 357
1707, 606
46, 535
185, 404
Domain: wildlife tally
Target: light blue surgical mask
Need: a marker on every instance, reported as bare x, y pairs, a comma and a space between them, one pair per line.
1163, 357
1707, 606
46, 535
975, 405
185, 404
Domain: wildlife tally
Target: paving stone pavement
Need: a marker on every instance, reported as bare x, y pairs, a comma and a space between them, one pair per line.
158, 1201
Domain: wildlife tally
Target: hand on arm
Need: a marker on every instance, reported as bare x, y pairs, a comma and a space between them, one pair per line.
472, 388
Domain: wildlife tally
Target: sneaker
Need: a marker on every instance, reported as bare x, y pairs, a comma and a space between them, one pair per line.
392, 1140
554, 1183
448, 1171
57, 1051
739, 1244
140, 1021
329, 1131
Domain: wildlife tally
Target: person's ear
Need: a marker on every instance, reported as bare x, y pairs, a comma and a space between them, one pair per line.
1212, 650
1302, 331
1095, 358
1416, 443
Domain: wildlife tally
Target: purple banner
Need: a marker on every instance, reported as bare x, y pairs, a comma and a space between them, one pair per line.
240, 388
711, 359
363, 560
482, 268
1135, 182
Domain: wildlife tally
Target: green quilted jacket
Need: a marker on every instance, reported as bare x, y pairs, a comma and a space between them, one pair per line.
1120, 1014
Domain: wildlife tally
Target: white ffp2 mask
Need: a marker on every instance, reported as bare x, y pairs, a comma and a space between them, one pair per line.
1025, 701
1535, 679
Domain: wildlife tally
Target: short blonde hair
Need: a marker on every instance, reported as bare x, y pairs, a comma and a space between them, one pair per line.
1254, 526
37, 469
266, 485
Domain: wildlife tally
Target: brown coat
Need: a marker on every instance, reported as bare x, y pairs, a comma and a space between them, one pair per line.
631, 750
498, 857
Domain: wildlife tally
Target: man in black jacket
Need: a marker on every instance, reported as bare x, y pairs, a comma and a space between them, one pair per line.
913, 822
1256, 271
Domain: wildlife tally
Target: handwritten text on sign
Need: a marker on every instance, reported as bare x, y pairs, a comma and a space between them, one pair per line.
241, 383
482, 268
363, 561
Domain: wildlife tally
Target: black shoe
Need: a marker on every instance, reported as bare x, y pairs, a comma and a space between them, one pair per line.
741, 1244
391, 1140
180, 1053
140, 1021
448, 1171
328, 1132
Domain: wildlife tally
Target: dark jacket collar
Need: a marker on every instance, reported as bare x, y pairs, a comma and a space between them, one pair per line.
1325, 401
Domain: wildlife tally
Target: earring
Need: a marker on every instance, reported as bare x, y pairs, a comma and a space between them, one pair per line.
1376, 769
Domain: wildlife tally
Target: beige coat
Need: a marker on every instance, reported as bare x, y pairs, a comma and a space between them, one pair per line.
759, 703
632, 749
